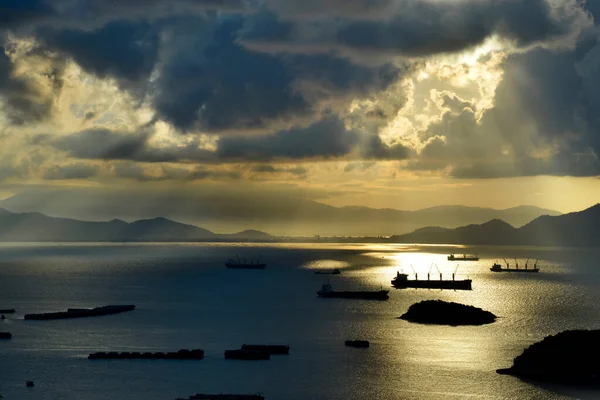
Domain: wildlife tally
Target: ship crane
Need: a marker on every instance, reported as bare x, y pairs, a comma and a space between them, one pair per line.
436, 267
413, 269
517, 263
507, 265
527, 262
455, 269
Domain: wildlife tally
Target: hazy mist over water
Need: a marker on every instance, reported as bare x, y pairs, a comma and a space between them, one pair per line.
186, 298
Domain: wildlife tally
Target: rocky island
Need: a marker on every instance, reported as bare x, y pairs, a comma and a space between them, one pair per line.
447, 313
569, 357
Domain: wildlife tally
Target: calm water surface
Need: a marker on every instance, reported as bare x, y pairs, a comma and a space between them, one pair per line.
186, 298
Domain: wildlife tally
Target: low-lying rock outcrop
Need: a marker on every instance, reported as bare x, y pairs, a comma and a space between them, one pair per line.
447, 313
569, 357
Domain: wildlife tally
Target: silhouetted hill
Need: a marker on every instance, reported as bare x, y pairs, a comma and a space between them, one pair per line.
580, 228
36, 227
282, 216
574, 229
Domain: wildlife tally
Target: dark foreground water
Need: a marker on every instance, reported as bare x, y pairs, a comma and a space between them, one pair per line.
187, 299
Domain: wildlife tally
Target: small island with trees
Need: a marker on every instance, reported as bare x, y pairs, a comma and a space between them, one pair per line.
569, 357
447, 313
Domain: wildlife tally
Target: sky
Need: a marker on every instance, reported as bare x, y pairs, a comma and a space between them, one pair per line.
402, 104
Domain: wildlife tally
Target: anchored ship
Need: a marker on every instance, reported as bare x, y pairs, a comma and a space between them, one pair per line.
464, 257
82, 312
401, 281
328, 292
241, 263
223, 396
498, 268
328, 272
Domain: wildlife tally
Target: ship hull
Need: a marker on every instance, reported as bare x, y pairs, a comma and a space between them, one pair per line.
515, 270
246, 266
81, 312
432, 284
380, 295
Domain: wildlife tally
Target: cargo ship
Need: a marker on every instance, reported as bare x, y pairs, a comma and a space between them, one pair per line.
245, 354
328, 292
7, 310
464, 257
240, 263
269, 348
498, 268
357, 343
224, 396
328, 272
401, 281
81, 312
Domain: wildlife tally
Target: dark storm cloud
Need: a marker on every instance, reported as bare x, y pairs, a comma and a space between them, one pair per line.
215, 84
328, 138
71, 171
124, 50
105, 144
102, 144
28, 15
22, 101
239, 66
14, 13
422, 28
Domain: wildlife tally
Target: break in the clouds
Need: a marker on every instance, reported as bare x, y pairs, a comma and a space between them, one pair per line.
136, 89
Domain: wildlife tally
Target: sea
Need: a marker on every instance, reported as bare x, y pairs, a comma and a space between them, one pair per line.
186, 298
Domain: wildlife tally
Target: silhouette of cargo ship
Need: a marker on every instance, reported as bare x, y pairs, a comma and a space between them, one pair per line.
464, 257
81, 312
498, 268
240, 263
328, 292
401, 281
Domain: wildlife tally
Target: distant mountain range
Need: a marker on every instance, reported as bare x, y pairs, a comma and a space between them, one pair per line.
36, 227
280, 216
574, 229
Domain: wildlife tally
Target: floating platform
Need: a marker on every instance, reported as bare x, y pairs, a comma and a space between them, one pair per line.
357, 343
464, 257
272, 349
5, 335
401, 281
81, 312
328, 272
240, 354
222, 396
328, 292
183, 354
246, 266
242, 263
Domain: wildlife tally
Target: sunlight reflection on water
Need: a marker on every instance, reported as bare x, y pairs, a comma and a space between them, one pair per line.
186, 298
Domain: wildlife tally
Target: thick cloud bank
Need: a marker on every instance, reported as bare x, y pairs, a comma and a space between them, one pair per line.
261, 81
